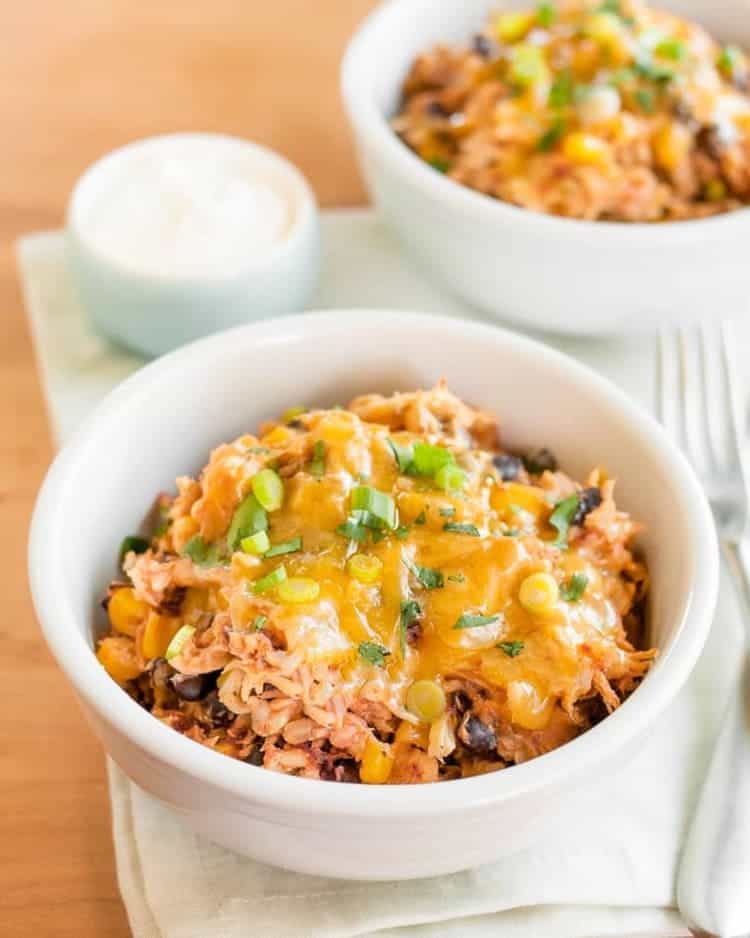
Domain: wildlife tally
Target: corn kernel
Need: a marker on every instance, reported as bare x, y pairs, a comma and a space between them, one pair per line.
117, 656
365, 568
157, 635
277, 435
586, 149
126, 612
603, 27
376, 765
514, 496
426, 700
539, 593
527, 65
671, 145
715, 190
510, 27
298, 589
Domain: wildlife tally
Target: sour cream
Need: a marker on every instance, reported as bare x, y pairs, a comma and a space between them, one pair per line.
194, 208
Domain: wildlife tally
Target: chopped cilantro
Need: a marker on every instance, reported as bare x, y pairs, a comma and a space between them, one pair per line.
410, 612
572, 590
205, 555
421, 517
132, 542
456, 528
562, 518
402, 532
469, 621
429, 578
373, 653
260, 621
511, 649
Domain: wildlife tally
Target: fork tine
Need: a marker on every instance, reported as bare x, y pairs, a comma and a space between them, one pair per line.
667, 382
735, 453
714, 398
694, 396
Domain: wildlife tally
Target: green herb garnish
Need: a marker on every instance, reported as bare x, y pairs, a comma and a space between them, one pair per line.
402, 454
429, 459
260, 621
456, 528
267, 582
447, 512
410, 612
670, 48
138, 545
205, 555
318, 464
562, 518
430, 578
457, 577
729, 59
511, 649
440, 164
645, 99
249, 518
469, 621
373, 653
353, 529
561, 92
286, 547
551, 137
402, 532
377, 503
421, 517
647, 68
546, 13
572, 590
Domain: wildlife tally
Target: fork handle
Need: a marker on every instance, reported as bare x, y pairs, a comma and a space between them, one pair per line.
713, 889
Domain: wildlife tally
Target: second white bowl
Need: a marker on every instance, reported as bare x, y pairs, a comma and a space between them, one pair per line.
538, 270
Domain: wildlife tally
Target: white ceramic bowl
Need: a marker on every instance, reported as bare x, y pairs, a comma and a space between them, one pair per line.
539, 270
153, 313
163, 421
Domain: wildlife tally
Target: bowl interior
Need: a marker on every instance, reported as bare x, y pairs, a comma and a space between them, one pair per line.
382, 52
164, 422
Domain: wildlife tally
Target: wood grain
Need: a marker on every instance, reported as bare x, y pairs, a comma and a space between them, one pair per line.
77, 79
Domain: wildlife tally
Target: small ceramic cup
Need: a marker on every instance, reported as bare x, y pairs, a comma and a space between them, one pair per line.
152, 312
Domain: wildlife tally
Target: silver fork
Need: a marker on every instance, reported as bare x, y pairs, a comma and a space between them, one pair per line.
699, 407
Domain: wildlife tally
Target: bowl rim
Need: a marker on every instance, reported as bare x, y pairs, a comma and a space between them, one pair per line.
372, 124
54, 608
303, 208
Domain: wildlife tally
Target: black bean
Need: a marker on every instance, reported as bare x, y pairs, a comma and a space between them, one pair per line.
482, 46
414, 632
540, 460
189, 686
172, 602
461, 701
588, 500
296, 425
215, 710
477, 736
255, 756
435, 108
507, 466
347, 771
161, 672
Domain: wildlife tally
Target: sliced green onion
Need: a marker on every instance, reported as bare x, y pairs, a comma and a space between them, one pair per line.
403, 455
178, 640
256, 544
428, 459
511, 649
402, 532
457, 577
318, 464
248, 519
421, 517
645, 100
447, 512
379, 504
138, 545
373, 653
440, 164
551, 137
200, 552
670, 48
287, 547
729, 59
268, 489
470, 529
562, 518
353, 530
260, 621
429, 577
410, 612
526, 64
270, 580
561, 91
469, 621
546, 13
450, 478
572, 590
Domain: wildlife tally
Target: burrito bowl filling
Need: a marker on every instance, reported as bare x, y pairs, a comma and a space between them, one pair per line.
380, 594
589, 109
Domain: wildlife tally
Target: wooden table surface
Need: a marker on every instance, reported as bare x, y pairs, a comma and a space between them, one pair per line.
77, 79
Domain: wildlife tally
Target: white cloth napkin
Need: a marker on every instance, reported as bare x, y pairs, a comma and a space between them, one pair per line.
609, 872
